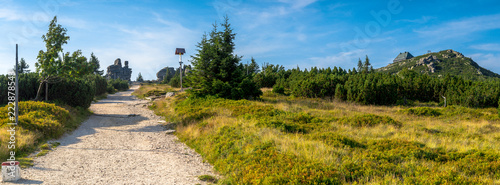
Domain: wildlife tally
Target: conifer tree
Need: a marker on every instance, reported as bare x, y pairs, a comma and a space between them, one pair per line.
217, 70
360, 65
366, 65
139, 78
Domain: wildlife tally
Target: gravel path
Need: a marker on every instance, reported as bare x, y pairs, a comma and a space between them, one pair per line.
123, 143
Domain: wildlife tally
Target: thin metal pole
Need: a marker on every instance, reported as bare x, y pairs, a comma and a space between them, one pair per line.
180, 69
17, 87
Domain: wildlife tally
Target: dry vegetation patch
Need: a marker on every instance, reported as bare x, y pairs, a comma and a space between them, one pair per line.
287, 140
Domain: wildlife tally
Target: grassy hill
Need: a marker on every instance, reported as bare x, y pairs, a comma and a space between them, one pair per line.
440, 64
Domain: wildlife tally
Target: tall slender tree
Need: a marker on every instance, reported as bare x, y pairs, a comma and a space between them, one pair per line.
360, 65
50, 64
366, 65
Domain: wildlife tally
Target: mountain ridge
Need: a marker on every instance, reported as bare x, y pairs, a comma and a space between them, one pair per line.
440, 64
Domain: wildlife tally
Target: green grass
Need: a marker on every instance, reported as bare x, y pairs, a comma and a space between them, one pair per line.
153, 90
208, 178
38, 122
42, 153
287, 140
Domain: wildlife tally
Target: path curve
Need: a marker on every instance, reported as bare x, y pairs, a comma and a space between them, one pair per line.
122, 143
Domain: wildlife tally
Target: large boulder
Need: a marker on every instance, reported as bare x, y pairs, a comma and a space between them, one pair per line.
163, 72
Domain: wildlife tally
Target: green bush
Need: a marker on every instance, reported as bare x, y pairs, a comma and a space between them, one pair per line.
278, 89
110, 89
369, 120
422, 111
101, 84
120, 85
73, 92
28, 86
336, 140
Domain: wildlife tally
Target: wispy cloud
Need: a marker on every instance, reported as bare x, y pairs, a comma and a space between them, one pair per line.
461, 28
149, 49
346, 60
421, 20
488, 61
486, 47
298, 4
73, 23
9, 14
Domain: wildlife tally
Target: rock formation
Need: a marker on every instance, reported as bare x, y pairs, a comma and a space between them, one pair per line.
116, 71
163, 72
428, 61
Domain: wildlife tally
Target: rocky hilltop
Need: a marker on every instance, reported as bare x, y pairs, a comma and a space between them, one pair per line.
440, 64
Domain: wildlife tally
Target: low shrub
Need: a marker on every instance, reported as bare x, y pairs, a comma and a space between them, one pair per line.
421, 111
100, 83
37, 121
73, 92
120, 85
462, 112
278, 89
155, 92
336, 140
369, 120
110, 89
28, 86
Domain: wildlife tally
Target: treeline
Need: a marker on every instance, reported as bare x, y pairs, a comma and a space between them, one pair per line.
368, 87
72, 79
76, 92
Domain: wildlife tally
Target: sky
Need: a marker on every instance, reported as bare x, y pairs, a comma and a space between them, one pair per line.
303, 33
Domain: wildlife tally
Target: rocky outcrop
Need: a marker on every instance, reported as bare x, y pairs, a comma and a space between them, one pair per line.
163, 72
116, 71
429, 61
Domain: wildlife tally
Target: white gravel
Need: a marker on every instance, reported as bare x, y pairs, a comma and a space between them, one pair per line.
123, 143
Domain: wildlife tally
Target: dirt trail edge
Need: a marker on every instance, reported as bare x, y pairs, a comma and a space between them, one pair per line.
122, 143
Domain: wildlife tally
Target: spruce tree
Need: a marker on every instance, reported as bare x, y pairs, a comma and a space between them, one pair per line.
360, 65
217, 70
139, 78
366, 65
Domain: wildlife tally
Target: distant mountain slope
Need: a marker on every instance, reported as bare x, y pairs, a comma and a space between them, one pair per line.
440, 64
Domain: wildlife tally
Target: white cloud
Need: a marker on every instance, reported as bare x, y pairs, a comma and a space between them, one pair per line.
421, 20
298, 4
486, 47
73, 23
149, 49
489, 61
9, 14
461, 28
346, 60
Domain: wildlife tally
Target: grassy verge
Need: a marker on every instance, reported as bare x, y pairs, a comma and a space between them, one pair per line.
287, 140
38, 122
153, 90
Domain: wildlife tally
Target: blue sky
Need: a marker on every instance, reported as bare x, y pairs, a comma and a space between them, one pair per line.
291, 33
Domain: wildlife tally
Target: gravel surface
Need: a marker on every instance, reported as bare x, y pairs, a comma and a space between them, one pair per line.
122, 143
